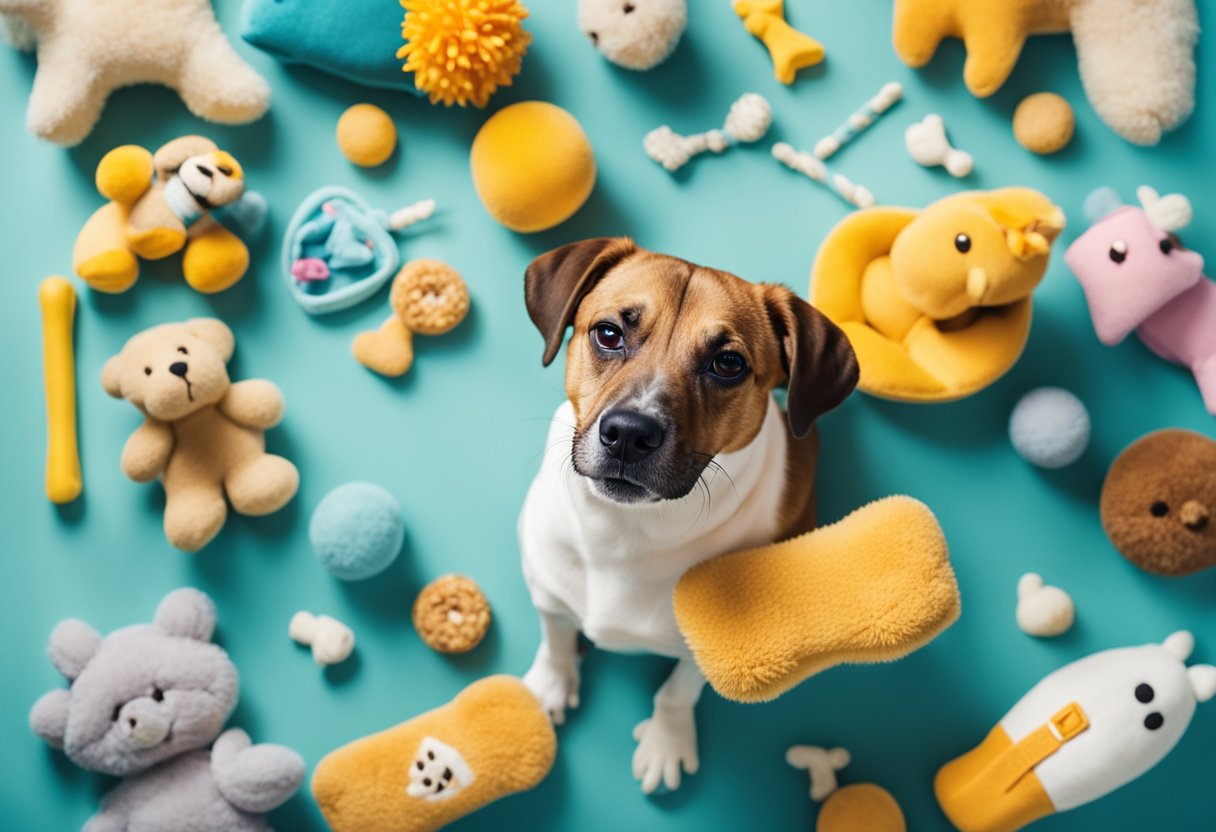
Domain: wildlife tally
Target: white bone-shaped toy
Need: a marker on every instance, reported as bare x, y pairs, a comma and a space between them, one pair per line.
331, 641
928, 146
748, 121
821, 764
815, 170
1043, 610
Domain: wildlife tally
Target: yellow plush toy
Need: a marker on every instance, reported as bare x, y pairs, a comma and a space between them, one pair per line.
871, 588
492, 740
937, 302
159, 205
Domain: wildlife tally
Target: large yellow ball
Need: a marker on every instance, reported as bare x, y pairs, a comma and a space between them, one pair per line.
532, 166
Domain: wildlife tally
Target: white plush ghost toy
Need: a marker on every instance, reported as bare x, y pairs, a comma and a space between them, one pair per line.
635, 34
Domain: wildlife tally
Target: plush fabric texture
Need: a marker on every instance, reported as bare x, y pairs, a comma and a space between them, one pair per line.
790, 49
640, 34
1043, 610
861, 807
143, 703
1137, 276
357, 530
937, 302
202, 435
1079, 734
88, 48
532, 166
1136, 59
353, 39
871, 588
366, 135
1043, 123
492, 740
1158, 503
57, 302
159, 205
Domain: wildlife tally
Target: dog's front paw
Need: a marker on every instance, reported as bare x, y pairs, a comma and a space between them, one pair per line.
667, 745
555, 684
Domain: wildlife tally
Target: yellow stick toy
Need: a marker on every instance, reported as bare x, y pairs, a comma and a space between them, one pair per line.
58, 301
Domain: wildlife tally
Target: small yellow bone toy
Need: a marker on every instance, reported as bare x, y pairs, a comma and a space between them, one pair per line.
58, 301
790, 49
429, 298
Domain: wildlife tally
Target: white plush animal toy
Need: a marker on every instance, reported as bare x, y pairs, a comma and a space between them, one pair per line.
1079, 734
635, 34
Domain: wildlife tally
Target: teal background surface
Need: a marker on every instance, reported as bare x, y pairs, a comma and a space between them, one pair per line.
460, 437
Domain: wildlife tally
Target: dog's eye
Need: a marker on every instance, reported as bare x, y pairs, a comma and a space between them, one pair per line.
608, 337
224, 169
728, 366
182, 350
1144, 693
1166, 245
158, 695
147, 371
963, 243
1118, 251
1159, 509
629, 8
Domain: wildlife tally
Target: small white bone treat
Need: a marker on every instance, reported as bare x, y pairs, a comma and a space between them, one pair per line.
822, 765
928, 146
331, 641
859, 121
1043, 610
748, 121
815, 170
403, 218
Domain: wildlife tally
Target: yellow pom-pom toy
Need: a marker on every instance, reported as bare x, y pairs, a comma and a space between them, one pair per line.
532, 165
463, 50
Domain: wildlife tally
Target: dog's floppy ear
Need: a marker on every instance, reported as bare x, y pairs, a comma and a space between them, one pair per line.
557, 281
817, 355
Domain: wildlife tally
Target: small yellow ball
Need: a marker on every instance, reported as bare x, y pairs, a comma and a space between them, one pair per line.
366, 135
861, 807
1043, 123
532, 166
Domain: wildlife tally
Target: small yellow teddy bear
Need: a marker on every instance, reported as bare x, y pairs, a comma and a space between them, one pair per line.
159, 205
202, 435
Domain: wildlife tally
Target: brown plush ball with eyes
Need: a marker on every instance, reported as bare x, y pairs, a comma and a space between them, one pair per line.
1159, 502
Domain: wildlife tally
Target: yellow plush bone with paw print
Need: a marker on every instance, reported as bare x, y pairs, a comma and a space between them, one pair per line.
790, 49
871, 588
159, 205
937, 302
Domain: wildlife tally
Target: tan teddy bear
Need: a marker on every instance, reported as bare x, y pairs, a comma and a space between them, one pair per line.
202, 434
159, 205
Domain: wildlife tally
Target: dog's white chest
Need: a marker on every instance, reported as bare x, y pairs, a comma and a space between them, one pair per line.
614, 568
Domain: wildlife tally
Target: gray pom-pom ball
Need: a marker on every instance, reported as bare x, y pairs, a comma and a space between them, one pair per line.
1049, 427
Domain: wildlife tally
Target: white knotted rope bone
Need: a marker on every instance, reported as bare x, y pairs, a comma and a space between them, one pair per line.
817, 171
748, 121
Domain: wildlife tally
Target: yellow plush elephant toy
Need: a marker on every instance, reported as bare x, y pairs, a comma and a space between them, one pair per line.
161, 204
937, 302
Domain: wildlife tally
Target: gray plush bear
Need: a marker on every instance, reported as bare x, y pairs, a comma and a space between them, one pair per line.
143, 703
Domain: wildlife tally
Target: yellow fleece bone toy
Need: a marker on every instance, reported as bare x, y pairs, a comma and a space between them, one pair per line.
790, 49
937, 302
58, 301
159, 205
871, 588
492, 740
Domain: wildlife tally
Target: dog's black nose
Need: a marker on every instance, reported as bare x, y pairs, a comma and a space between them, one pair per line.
179, 368
206, 171
630, 436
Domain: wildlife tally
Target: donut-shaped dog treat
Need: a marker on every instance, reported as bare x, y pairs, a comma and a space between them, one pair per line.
429, 297
451, 614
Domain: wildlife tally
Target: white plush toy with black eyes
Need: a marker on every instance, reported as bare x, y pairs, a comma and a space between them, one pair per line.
635, 34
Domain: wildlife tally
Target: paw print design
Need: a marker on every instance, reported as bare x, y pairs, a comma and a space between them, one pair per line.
438, 771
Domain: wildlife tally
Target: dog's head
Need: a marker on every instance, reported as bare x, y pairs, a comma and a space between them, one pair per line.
212, 176
672, 364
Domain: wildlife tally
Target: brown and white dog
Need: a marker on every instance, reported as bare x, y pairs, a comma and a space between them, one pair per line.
669, 451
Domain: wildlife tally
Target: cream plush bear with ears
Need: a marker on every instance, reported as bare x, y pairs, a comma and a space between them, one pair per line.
202, 434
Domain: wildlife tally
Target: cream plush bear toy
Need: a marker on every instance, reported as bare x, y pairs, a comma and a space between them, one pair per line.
202, 434
635, 34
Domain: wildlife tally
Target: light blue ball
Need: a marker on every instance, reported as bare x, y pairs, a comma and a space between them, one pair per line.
1050, 427
357, 530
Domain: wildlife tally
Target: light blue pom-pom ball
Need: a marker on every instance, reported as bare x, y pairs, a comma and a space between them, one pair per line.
1049, 427
357, 530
